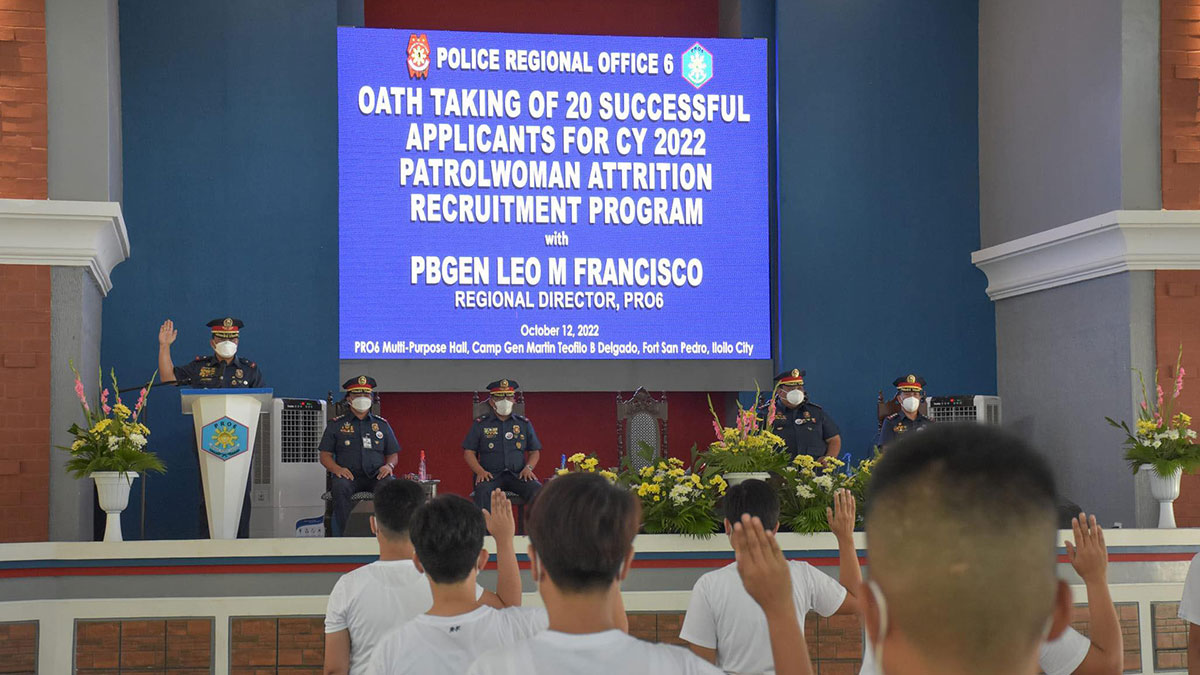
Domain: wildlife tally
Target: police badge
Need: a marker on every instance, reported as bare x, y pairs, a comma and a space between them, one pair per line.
418, 56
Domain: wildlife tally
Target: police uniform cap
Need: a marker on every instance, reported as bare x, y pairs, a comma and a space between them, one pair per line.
909, 382
359, 383
503, 386
225, 327
792, 376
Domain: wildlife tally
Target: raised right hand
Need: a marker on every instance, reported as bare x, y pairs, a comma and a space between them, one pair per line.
484, 476
167, 333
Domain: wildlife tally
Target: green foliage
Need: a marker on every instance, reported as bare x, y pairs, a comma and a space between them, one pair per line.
808, 486
113, 440
1160, 439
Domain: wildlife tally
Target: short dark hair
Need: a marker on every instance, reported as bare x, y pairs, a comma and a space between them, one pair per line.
961, 531
970, 462
395, 502
447, 534
582, 527
754, 497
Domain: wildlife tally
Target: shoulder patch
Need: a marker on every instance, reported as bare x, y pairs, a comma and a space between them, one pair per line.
200, 358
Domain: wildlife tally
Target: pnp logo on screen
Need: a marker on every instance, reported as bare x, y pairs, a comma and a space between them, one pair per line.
418, 57
697, 67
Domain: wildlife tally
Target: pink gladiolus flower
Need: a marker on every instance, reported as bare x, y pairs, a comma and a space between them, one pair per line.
717, 428
104, 402
771, 414
141, 402
1160, 396
1178, 383
80, 394
1144, 406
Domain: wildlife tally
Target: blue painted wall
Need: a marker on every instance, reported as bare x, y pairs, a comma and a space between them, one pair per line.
230, 154
230, 169
879, 202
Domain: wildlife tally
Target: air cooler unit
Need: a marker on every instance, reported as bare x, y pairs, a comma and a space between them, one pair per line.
981, 409
288, 477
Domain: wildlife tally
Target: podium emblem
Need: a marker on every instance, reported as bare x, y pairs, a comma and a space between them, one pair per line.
224, 438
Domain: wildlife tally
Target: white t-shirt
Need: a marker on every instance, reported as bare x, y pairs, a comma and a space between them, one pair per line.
723, 616
607, 653
1060, 656
373, 600
1189, 605
446, 645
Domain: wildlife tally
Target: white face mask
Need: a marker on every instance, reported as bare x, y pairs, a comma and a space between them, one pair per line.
226, 349
877, 652
910, 404
362, 404
795, 397
504, 408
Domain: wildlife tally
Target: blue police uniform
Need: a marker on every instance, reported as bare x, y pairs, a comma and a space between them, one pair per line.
501, 445
896, 425
210, 372
360, 446
804, 428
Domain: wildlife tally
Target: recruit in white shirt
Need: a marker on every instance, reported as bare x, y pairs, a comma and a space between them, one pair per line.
723, 616
446, 645
607, 653
1060, 656
1189, 604
373, 600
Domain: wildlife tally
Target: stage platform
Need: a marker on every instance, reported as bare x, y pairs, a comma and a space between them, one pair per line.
254, 606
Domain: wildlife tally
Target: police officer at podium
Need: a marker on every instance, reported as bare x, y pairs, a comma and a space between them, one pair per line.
910, 391
358, 448
502, 448
803, 425
222, 369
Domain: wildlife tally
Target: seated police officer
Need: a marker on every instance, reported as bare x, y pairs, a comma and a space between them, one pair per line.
502, 448
222, 369
910, 391
803, 425
358, 448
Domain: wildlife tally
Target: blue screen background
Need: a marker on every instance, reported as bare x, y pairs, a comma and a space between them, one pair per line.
377, 237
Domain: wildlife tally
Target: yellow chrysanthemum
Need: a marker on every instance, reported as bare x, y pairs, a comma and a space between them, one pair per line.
646, 472
590, 463
658, 478
121, 411
562, 472
609, 475
678, 473
576, 458
102, 425
675, 461
657, 498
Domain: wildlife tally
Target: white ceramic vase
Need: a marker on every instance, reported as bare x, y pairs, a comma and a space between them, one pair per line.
112, 488
1165, 491
740, 476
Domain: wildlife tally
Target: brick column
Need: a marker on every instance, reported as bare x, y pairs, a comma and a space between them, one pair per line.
1180, 73
24, 289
